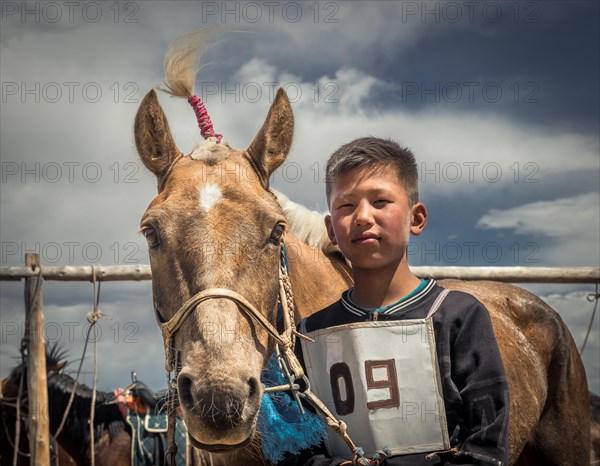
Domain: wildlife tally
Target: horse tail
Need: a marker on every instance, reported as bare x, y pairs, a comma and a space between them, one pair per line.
182, 60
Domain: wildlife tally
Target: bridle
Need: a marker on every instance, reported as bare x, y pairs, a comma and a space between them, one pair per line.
285, 341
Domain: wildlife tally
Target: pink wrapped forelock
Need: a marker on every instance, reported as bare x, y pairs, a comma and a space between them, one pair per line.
204, 122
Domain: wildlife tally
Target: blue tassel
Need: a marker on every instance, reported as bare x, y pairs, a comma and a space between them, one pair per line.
283, 428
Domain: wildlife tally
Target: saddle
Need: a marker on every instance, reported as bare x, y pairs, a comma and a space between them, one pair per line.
144, 412
139, 398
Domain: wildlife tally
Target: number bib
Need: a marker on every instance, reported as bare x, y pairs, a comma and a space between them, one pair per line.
381, 378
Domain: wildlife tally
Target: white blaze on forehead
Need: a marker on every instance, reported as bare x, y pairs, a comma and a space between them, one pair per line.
210, 194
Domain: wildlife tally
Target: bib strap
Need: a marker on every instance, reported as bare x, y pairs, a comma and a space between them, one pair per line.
438, 302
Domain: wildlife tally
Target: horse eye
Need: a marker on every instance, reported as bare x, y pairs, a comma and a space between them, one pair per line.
277, 233
151, 236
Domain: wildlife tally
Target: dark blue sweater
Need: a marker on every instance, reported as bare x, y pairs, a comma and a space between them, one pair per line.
474, 383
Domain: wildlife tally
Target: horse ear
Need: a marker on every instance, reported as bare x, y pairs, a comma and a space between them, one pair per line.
273, 141
153, 138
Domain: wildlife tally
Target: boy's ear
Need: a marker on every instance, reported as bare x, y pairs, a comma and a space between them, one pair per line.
418, 218
330, 232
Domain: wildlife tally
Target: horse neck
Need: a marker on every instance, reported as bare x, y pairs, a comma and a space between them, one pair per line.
317, 279
75, 437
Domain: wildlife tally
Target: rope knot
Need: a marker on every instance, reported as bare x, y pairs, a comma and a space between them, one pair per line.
593, 297
204, 121
379, 457
339, 427
95, 315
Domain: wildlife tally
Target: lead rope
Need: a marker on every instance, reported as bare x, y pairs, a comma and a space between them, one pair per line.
75, 385
171, 453
591, 297
297, 372
93, 318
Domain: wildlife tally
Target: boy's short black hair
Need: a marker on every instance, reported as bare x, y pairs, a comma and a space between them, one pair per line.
377, 154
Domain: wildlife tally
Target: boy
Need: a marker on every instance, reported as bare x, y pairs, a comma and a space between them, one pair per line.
406, 365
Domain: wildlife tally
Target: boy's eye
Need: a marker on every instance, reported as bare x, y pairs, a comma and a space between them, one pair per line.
381, 202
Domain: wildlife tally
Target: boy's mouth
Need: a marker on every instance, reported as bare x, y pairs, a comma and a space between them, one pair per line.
366, 238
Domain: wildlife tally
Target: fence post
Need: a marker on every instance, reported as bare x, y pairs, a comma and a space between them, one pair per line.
39, 431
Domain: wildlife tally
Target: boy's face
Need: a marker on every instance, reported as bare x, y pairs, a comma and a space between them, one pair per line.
370, 219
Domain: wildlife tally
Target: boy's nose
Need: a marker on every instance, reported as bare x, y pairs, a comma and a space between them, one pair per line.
364, 214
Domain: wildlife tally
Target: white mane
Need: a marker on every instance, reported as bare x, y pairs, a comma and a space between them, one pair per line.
307, 225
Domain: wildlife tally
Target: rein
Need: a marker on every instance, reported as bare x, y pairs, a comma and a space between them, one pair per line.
285, 341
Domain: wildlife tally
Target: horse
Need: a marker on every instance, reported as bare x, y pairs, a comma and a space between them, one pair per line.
7, 443
112, 440
113, 435
216, 224
595, 428
8, 395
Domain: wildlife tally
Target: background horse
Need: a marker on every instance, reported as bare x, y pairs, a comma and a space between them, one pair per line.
7, 433
113, 434
112, 440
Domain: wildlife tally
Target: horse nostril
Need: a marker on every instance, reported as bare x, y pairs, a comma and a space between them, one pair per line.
184, 388
253, 387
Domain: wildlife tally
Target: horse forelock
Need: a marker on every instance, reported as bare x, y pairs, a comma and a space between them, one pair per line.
182, 60
211, 150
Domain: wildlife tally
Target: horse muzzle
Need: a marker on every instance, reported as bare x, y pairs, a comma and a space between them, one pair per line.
219, 416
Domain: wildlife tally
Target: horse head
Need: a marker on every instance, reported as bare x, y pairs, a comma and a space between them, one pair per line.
215, 225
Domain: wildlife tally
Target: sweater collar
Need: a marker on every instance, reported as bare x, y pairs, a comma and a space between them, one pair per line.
418, 294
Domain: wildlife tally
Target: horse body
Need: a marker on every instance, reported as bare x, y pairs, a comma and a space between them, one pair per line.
549, 408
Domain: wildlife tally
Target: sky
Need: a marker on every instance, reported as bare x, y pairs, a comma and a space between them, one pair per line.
499, 101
